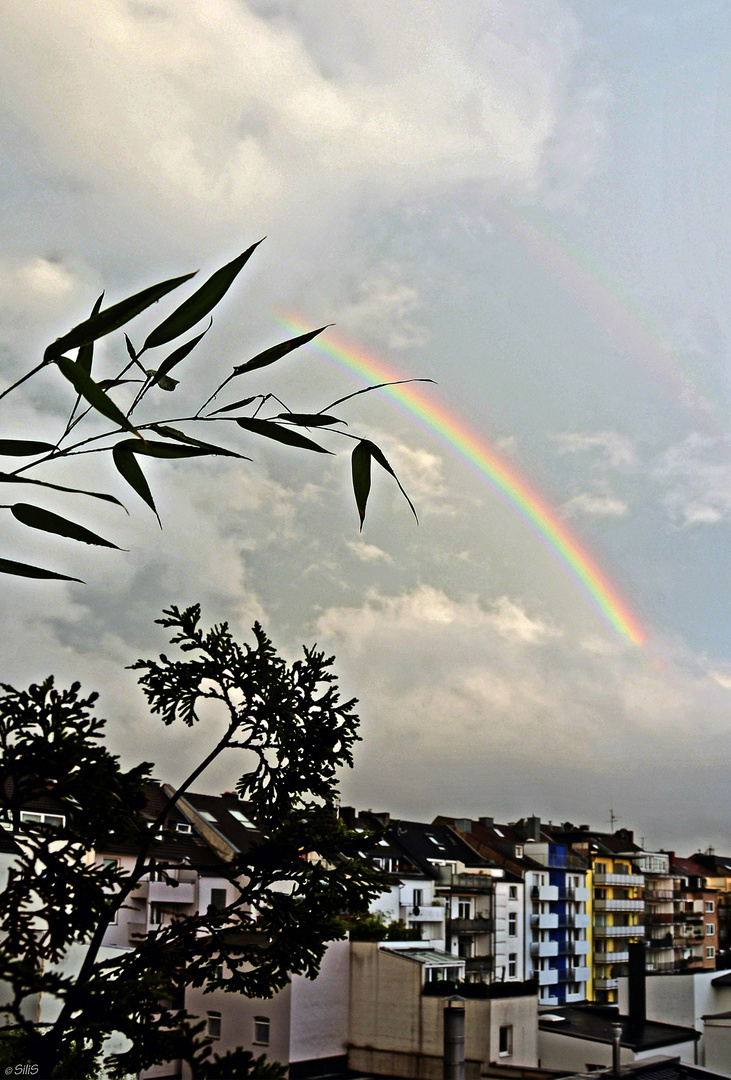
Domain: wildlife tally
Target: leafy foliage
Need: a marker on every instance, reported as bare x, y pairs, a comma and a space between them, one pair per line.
117, 399
290, 887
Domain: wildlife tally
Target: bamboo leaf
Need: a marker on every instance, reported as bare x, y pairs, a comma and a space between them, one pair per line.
93, 393
180, 436
23, 447
86, 352
37, 518
310, 419
177, 355
166, 450
360, 464
269, 430
7, 566
381, 459
197, 306
129, 469
276, 352
10, 478
112, 318
376, 386
236, 405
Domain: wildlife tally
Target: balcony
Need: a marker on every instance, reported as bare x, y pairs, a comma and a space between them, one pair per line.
657, 896
582, 920
481, 883
621, 956
580, 894
575, 948
619, 905
479, 925
544, 892
606, 984
422, 913
629, 881
544, 922
659, 918
544, 948
619, 931
160, 892
547, 978
575, 974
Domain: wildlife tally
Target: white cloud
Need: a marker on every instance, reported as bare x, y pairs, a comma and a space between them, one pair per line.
514, 624
616, 449
696, 474
368, 552
384, 309
218, 114
595, 505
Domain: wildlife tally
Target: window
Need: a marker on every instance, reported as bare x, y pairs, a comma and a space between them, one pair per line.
218, 899
464, 908
710, 952
464, 946
418, 897
183, 826
512, 965
513, 924
505, 1041
710, 906
31, 818
261, 1030
241, 817
513, 892
214, 1024
156, 914
710, 929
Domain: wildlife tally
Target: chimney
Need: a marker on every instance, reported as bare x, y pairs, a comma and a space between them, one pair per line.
463, 824
616, 1050
347, 816
533, 829
488, 822
636, 981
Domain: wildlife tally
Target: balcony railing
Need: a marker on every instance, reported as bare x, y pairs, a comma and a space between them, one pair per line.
660, 918
576, 974
182, 892
478, 925
544, 892
619, 905
547, 978
544, 922
544, 948
576, 893
481, 883
606, 984
421, 913
630, 881
656, 896
619, 931
619, 957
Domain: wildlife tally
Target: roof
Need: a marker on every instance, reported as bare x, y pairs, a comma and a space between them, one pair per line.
658, 1067
496, 842
595, 1023
226, 814
429, 844
429, 957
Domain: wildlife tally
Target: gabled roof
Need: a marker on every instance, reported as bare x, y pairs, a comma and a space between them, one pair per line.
226, 815
430, 845
496, 843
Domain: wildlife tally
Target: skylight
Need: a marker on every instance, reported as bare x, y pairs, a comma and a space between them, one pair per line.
241, 817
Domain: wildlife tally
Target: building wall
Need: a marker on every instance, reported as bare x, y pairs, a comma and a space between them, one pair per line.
320, 1008
237, 1021
556, 1051
718, 1046
395, 1029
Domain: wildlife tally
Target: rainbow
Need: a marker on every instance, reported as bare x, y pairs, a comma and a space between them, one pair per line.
504, 478
614, 313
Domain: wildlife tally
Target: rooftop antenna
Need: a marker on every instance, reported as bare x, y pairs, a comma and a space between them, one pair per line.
612, 818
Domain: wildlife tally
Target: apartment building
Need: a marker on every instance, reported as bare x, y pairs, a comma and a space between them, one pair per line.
617, 902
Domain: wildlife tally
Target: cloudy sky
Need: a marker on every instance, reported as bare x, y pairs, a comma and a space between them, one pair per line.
527, 201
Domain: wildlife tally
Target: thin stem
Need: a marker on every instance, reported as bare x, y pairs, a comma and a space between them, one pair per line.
24, 378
